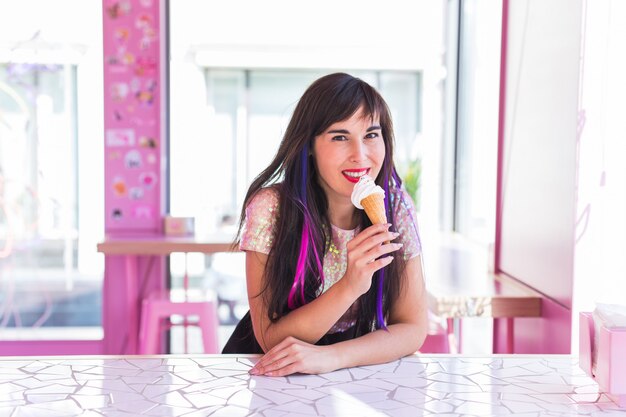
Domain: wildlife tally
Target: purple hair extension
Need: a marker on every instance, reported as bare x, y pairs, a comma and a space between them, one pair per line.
307, 239
380, 274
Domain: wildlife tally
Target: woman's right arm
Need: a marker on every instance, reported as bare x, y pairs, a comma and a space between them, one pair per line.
313, 320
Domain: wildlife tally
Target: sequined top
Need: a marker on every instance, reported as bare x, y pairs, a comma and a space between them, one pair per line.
259, 229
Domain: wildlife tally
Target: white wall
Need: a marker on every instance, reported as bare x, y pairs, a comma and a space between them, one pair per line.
600, 261
540, 150
320, 34
539, 164
564, 228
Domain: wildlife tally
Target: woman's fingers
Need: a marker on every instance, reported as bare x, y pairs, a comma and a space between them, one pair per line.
276, 353
292, 356
367, 260
379, 239
381, 250
364, 256
269, 358
367, 233
380, 263
278, 366
372, 241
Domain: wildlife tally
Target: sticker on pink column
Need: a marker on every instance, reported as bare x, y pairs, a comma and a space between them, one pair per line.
147, 142
119, 91
132, 159
120, 137
119, 186
135, 193
117, 214
119, 9
122, 35
148, 179
143, 212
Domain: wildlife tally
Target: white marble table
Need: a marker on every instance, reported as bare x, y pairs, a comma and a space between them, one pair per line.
214, 385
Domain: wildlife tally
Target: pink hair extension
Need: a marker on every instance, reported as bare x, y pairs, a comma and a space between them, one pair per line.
303, 265
307, 240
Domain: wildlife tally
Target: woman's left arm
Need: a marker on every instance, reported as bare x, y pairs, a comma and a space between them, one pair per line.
407, 326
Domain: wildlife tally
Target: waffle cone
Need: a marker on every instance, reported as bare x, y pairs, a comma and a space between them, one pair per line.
374, 206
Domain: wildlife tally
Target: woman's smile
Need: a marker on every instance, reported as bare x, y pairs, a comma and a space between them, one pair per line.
353, 175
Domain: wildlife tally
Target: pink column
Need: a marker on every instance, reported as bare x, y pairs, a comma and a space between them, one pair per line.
134, 144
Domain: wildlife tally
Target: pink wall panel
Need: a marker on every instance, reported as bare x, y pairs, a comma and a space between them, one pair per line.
50, 347
547, 334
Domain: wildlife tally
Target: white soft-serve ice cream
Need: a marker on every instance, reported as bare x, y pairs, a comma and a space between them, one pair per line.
370, 197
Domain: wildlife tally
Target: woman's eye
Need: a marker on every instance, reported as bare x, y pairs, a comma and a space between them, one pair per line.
372, 135
339, 138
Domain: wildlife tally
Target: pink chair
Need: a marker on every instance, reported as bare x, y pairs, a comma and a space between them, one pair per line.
157, 309
161, 305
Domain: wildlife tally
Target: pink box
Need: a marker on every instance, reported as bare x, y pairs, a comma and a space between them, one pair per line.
178, 226
610, 372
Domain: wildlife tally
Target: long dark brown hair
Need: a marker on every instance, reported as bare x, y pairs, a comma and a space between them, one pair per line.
294, 272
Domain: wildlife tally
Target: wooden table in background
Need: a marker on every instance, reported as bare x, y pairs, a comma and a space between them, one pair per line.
122, 295
460, 285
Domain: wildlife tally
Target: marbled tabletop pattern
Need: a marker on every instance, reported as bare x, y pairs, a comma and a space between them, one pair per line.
204, 385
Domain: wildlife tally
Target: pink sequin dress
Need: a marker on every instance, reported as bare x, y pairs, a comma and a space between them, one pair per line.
258, 235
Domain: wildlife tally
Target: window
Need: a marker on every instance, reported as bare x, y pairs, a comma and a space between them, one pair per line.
234, 84
50, 171
477, 119
245, 115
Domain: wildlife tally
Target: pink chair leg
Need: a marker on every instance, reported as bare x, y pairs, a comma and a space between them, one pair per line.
143, 329
158, 307
153, 319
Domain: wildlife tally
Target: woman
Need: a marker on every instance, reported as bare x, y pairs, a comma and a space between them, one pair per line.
325, 290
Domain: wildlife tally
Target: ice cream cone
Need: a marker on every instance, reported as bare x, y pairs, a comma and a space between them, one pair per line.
368, 196
374, 206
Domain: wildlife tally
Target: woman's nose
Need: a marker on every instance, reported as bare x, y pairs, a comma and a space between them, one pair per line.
358, 151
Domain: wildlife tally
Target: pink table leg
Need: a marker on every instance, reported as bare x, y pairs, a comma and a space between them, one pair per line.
123, 291
118, 304
503, 335
132, 304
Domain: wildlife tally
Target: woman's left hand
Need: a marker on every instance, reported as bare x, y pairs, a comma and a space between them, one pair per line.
295, 356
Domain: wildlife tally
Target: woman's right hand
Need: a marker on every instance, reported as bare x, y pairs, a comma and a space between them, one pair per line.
364, 256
